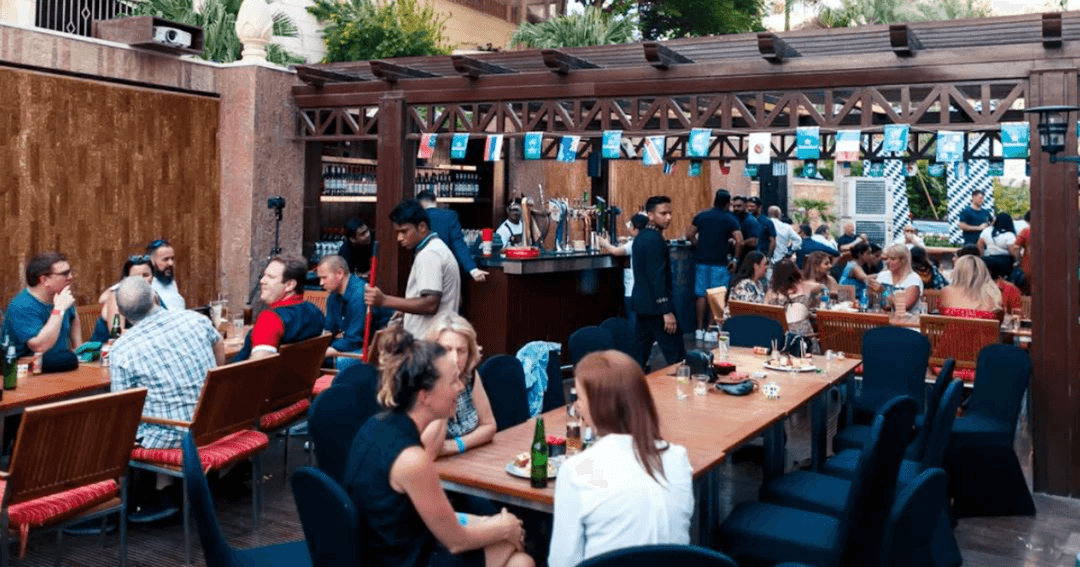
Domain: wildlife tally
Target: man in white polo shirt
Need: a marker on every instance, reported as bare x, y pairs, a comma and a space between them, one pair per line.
434, 285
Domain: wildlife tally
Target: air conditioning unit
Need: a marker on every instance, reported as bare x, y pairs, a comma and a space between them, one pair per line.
867, 201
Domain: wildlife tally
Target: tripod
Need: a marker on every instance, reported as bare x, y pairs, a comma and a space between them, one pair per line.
277, 203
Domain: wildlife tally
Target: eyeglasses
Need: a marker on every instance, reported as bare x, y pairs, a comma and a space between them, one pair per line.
911, 230
63, 274
156, 244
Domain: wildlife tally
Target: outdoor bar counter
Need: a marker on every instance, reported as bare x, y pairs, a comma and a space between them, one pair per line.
544, 298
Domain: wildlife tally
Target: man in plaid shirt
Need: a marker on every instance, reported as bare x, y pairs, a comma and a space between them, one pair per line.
166, 351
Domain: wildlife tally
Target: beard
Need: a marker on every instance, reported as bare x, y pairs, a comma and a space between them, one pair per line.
163, 276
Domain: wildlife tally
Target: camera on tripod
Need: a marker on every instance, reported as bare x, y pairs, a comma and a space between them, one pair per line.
277, 202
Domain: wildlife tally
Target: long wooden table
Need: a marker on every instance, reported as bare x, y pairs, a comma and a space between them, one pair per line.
709, 427
87, 379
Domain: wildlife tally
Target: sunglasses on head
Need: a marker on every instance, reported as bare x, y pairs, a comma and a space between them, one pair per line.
139, 259
156, 244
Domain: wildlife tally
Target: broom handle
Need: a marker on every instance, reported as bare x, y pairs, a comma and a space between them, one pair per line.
367, 316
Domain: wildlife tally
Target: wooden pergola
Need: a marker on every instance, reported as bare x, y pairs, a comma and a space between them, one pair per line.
966, 75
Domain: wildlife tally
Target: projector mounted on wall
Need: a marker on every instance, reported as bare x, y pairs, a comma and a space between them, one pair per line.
171, 36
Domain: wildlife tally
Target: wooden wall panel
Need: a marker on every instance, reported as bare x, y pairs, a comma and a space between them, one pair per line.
632, 183
97, 171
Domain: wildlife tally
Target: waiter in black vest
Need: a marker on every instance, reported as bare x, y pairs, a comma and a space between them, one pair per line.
652, 286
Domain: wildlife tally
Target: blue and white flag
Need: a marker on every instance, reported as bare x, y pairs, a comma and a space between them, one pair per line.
809, 170
936, 170
568, 148
534, 143
896, 138
669, 166
750, 170
612, 143
695, 168
848, 145
808, 142
1015, 138
995, 168
427, 145
458, 145
950, 147
493, 147
877, 169
653, 153
697, 144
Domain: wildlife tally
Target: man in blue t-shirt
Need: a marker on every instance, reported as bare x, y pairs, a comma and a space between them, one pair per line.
42, 317
767, 237
748, 225
346, 312
710, 231
974, 219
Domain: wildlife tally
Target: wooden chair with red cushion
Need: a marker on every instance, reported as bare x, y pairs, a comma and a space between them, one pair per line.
317, 298
69, 464
960, 338
842, 332
224, 426
290, 395
771, 311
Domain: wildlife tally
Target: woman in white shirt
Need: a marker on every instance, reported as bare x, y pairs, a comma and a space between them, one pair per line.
899, 282
628, 488
998, 243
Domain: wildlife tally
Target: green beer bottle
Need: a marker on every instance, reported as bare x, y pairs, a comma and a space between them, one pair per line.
114, 333
11, 368
538, 476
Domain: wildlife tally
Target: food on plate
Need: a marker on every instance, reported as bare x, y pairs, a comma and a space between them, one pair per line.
522, 460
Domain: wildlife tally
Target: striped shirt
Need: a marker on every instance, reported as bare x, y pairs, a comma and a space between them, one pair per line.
168, 353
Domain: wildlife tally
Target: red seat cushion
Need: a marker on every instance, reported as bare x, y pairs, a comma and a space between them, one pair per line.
37, 512
274, 420
965, 374
323, 383
226, 450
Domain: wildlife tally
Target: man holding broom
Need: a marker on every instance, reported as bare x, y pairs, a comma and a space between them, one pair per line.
434, 284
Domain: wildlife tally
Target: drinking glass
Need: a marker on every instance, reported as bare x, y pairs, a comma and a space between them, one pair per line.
236, 327
701, 384
682, 380
723, 344
711, 336
217, 311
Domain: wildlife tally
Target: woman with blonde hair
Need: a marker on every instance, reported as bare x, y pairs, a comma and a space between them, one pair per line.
899, 283
646, 494
405, 517
473, 423
973, 293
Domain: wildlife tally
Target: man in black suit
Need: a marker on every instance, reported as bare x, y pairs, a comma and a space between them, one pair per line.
445, 223
652, 286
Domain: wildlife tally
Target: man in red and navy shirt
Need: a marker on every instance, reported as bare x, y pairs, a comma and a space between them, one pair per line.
289, 318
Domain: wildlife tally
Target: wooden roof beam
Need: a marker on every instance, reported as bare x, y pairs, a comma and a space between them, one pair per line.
319, 77
773, 48
391, 72
663, 57
472, 67
904, 41
561, 62
1051, 29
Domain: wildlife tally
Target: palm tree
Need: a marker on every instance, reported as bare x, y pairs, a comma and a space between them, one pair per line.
861, 12
593, 27
217, 18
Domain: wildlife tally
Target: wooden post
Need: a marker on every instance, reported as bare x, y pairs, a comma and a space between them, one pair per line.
1055, 399
394, 175
312, 193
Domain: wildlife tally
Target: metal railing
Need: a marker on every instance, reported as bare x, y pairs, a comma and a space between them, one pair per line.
75, 16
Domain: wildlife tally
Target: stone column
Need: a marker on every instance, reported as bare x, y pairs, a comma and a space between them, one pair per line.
254, 25
259, 159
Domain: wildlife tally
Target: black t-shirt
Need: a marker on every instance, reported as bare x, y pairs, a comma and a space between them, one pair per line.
974, 218
715, 227
768, 230
844, 240
358, 256
393, 533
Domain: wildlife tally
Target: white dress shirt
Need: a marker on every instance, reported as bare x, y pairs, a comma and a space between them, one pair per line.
604, 500
787, 240
169, 294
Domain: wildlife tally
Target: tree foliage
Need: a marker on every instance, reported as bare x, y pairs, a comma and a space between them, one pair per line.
592, 27
362, 30
863, 12
218, 21
669, 19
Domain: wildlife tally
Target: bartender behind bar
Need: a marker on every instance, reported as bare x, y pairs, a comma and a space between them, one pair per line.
512, 229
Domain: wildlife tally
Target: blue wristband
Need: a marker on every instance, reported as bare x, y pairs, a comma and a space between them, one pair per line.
462, 519
460, 446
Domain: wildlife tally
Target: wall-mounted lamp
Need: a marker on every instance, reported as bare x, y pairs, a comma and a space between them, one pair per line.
1053, 127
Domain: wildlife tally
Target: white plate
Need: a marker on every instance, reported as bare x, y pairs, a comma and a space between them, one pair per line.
525, 473
788, 368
